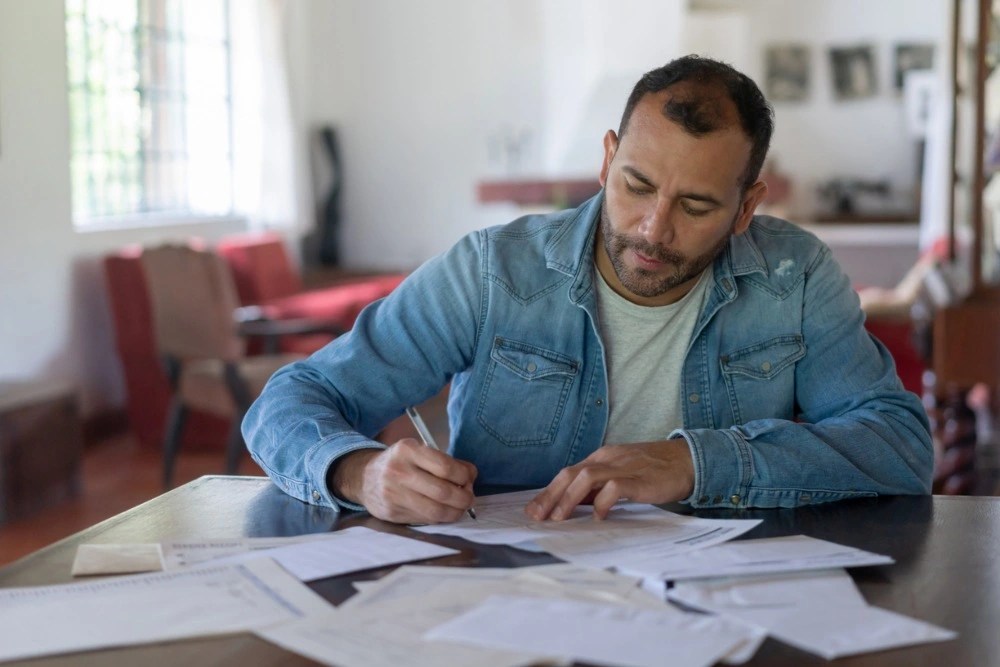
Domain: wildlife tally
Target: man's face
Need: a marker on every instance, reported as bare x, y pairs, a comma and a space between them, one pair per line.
671, 203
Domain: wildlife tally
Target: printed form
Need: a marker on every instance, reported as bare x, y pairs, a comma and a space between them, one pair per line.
48, 620
583, 539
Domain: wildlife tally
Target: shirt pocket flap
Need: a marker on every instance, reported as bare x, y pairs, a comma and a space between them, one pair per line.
530, 362
765, 360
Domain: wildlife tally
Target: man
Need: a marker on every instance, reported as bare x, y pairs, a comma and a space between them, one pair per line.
658, 343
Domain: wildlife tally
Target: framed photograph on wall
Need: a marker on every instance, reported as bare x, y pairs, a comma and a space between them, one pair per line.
853, 71
786, 68
910, 57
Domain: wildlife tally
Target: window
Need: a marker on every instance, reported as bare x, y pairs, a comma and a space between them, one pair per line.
150, 109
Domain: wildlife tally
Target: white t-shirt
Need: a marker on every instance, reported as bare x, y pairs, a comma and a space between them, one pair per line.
644, 350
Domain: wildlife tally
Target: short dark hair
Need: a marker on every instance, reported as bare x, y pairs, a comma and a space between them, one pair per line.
697, 113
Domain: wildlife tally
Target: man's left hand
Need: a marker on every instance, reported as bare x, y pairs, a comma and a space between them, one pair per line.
645, 472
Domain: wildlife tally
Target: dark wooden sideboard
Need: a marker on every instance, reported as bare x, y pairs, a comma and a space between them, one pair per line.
40, 446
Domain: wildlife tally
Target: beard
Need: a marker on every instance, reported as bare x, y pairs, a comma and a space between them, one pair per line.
643, 282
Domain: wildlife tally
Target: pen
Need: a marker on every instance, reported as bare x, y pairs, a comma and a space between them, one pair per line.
428, 439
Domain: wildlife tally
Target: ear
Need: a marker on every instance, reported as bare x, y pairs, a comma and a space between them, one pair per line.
610, 146
754, 195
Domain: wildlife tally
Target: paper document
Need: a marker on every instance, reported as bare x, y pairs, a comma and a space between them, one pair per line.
820, 612
94, 559
761, 556
120, 611
428, 582
384, 624
308, 557
639, 537
177, 555
596, 543
592, 632
349, 550
501, 520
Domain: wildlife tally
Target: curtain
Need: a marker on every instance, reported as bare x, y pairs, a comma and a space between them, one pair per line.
264, 168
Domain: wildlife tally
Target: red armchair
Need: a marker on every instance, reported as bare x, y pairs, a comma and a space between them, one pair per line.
265, 278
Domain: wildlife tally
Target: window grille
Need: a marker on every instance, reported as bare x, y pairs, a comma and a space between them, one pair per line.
150, 104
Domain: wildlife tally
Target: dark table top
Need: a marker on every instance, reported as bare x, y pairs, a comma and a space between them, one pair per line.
946, 571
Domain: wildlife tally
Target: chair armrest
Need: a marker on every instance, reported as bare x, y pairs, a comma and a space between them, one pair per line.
252, 322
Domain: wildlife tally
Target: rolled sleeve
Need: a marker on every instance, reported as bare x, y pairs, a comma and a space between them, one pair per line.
723, 467
321, 459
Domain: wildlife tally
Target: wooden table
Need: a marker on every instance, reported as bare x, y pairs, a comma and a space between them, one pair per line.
947, 570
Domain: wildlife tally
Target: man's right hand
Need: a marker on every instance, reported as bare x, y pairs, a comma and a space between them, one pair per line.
406, 483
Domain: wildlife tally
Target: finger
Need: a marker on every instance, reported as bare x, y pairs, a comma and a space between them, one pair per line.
399, 499
441, 465
589, 478
541, 506
416, 508
412, 473
613, 492
442, 491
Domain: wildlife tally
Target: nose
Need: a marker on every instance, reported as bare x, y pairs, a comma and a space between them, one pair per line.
657, 226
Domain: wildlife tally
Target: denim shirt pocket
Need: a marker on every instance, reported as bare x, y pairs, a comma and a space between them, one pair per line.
755, 377
524, 393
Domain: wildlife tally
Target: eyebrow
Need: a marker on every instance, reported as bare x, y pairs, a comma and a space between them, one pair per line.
694, 196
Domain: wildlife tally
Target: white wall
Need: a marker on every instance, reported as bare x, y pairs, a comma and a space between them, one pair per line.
417, 92
594, 52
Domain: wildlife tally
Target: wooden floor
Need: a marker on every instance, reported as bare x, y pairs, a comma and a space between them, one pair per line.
117, 474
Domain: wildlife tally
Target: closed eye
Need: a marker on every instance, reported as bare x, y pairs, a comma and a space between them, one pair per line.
636, 189
696, 212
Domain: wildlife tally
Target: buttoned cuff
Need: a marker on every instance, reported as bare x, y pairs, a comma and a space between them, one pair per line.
722, 467
321, 459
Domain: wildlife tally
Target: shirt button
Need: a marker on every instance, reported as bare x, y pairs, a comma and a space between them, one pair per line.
316, 495
694, 398
766, 366
599, 402
532, 368
734, 499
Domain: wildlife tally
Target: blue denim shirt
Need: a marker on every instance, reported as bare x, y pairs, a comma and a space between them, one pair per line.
787, 400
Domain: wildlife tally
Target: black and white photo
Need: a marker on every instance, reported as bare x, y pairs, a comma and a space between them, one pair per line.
853, 70
787, 72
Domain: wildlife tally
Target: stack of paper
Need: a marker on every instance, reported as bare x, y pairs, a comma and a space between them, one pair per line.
747, 557
307, 557
48, 620
491, 617
820, 612
632, 530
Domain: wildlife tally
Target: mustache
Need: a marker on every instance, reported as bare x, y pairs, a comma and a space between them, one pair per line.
657, 252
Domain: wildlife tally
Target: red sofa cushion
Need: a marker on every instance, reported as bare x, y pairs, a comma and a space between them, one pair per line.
265, 277
898, 337
260, 265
